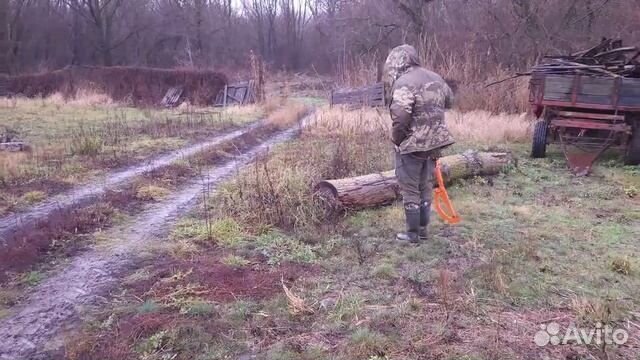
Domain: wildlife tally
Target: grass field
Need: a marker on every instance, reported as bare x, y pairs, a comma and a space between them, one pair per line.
260, 272
31, 253
73, 141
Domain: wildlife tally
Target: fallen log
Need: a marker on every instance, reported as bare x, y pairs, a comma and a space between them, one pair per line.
379, 189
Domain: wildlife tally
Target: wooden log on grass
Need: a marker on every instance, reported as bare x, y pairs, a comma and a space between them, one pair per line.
379, 189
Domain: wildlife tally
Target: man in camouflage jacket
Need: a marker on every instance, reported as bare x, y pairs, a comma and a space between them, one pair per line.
419, 98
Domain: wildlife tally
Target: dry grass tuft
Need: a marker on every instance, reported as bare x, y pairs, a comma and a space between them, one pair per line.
594, 310
286, 115
484, 127
334, 120
244, 110
621, 266
475, 127
297, 306
152, 193
81, 98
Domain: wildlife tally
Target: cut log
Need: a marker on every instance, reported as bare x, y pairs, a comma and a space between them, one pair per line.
379, 189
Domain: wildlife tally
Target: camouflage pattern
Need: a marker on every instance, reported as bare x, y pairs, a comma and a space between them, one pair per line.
416, 174
418, 101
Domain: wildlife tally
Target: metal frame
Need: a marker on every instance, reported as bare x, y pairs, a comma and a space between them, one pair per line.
572, 124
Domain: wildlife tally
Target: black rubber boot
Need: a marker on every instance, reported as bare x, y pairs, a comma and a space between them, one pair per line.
425, 214
412, 214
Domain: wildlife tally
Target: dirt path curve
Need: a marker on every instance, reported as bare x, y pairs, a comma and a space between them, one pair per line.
35, 327
91, 191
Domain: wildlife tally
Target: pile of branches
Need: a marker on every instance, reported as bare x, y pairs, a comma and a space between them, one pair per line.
609, 58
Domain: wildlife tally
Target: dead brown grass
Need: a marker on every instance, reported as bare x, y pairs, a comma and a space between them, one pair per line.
287, 114
474, 127
470, 74
481, 126
82, 97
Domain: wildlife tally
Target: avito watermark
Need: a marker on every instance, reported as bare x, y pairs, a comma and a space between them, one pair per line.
552, 334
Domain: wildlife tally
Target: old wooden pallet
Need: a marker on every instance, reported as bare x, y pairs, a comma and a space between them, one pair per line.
372, 95
240, 93
173, 97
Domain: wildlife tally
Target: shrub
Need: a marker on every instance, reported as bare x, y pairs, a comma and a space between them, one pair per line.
141, 86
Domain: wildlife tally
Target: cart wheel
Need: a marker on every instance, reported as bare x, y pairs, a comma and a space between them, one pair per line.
539, 146
632, 157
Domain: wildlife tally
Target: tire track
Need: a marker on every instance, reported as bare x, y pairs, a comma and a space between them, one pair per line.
34, 328
91, 191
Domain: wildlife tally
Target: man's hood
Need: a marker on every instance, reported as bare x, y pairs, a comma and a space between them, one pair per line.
400, 59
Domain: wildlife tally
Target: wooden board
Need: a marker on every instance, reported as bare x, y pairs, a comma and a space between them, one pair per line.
372, 95
236, 94
172, 97
630, 88
592, 90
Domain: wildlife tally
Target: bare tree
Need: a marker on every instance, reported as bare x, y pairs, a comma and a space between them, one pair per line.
4, 37
325, 35
101, 14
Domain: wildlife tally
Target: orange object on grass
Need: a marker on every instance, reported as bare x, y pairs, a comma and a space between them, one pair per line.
442, 202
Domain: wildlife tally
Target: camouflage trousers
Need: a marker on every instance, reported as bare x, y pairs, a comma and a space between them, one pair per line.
415, 174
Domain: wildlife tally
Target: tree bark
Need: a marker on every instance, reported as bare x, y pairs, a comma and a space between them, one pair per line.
4, 37
375, 190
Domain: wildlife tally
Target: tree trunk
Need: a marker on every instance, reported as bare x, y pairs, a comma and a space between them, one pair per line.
4, 37
375, 190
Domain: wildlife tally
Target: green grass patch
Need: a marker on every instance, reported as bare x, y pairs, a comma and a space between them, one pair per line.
279, 248
235, 261
31, 278
148, 307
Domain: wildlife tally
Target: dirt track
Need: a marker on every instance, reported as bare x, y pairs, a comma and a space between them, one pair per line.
91, 191
35, 327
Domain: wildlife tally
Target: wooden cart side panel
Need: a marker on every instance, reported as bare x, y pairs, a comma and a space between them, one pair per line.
558, 88
630, 93
597, 91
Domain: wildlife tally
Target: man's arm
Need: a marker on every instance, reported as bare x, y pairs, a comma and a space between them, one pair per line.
401, 110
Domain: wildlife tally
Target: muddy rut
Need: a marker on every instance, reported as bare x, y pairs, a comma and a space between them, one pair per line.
35, 327
93, 190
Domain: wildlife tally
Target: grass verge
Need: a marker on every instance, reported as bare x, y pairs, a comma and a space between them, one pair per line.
73, 141
535, 246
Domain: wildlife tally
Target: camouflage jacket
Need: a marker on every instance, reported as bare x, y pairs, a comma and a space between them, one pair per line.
418, 101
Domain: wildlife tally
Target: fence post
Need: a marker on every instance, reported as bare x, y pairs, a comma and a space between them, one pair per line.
224, 100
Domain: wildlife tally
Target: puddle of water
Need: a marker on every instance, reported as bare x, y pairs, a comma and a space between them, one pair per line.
34, 326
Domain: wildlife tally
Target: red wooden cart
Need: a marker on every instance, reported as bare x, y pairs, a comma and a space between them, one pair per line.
586, 115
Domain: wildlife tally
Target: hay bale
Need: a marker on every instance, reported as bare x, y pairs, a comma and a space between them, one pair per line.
137, 85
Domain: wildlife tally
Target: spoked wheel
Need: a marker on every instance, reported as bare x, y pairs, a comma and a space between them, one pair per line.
539, 145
